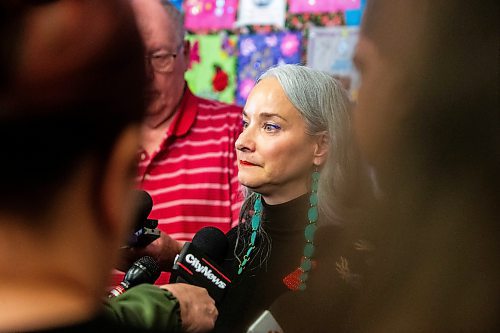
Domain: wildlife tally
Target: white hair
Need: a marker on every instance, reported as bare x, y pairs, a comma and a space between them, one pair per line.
325, 107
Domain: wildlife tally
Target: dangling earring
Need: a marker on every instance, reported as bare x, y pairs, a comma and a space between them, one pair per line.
298, 278
256, 219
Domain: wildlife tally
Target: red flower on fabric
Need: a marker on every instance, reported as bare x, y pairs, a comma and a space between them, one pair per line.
220, 79
194, 54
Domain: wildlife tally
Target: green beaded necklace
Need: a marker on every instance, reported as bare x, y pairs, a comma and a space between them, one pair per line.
298, 278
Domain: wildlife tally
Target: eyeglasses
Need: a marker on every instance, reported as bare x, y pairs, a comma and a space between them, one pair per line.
163, 61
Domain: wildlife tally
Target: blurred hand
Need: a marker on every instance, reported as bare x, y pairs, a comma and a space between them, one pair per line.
198, 311
163, 250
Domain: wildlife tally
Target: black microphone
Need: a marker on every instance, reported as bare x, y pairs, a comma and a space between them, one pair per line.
144, 270
144, 205
197, 263
145, 230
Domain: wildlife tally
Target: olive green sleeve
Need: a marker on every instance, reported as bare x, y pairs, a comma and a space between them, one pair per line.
146, 306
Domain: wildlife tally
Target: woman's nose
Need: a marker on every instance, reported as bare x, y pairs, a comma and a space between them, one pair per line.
245, 141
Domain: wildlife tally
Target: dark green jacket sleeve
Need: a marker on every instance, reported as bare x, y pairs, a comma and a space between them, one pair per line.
146, 306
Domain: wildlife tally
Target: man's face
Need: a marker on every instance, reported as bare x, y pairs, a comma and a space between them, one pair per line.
162, 40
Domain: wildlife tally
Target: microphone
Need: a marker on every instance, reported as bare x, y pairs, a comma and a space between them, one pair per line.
145, 230
144, 270
197, 263
144, 205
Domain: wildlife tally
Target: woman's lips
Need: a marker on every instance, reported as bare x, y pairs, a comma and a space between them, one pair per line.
247, 163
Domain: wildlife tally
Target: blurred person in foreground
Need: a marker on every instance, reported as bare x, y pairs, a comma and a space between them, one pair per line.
71, 105
187, 158
427, 122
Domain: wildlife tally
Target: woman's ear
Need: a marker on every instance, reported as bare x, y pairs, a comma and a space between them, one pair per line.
322, 145
117, 189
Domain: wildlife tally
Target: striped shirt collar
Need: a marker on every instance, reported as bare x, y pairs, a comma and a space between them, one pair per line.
185, 115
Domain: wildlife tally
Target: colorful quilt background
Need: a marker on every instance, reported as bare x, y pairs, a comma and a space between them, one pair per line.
259, 52
262, 12
177, 4
210, 15
353, 16
322, 6
331, 49
207, 53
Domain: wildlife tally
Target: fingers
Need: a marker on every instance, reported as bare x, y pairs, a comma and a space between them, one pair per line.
126, 259
163, 250
198, 310
207, 315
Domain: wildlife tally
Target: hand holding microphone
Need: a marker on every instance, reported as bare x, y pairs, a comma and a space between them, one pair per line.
197, 308
147, 240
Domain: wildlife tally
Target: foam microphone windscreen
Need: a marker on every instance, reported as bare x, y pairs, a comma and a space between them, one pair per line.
212, 242
144, 204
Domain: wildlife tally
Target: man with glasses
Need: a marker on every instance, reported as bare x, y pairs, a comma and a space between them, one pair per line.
187, 159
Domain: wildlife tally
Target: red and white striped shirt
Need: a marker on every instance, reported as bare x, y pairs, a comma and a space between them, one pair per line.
192, 178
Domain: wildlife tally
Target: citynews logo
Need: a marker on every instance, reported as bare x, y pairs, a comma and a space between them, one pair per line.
207, 272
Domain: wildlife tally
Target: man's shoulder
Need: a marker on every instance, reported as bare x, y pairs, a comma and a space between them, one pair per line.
214, 106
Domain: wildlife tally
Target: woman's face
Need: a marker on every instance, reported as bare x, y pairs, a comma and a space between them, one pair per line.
275, 155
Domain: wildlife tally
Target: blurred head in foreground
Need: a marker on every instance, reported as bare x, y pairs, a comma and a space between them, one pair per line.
427, 122
71, 100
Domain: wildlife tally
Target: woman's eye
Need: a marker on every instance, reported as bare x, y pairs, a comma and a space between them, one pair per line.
271, 127
244, 123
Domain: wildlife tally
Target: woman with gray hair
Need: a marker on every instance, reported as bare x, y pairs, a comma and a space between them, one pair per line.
296, 159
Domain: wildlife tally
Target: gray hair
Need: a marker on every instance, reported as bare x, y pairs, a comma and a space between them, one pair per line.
325, 107
177, 18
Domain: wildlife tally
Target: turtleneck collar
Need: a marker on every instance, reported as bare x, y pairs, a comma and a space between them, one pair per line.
288, 216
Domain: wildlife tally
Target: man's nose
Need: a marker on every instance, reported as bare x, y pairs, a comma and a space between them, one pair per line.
150, 73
